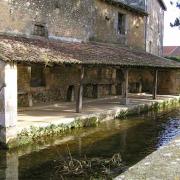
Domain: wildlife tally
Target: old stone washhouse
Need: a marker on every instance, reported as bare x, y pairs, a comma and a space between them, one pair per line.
63, 50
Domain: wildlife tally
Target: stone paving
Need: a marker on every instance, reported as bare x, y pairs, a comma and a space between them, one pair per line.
163, 164
42, 116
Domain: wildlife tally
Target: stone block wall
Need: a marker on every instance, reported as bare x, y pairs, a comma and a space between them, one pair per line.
169, 82
2, 65
155, 27
8, 100
62, 18
77, 20
140, 80
106, 26
98, 82
57, 81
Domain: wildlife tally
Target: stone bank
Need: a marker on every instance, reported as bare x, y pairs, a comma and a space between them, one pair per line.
52, 120
162, 164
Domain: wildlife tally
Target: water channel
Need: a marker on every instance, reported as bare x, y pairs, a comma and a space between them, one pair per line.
132, 139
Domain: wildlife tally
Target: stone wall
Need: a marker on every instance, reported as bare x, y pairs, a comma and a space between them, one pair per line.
8, 99
57, 81
155, 27
62, 18
83, 20
2, 65
169, 82
98, 82
106, 26
140, 80
77, 20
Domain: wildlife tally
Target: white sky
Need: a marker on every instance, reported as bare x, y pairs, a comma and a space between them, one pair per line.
171, 35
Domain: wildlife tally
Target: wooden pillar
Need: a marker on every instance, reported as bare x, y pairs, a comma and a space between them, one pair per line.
80, 92
30, 101
125, 99
155, 84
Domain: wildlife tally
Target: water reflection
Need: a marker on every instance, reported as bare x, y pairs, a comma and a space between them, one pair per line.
171, 129
133, 138
9, 166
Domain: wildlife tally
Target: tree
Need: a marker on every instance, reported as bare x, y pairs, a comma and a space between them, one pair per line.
177, 20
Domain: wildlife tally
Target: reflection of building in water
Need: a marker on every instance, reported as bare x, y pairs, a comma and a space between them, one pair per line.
9, 162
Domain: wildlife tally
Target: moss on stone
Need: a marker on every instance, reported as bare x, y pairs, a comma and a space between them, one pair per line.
156, 106
40, 134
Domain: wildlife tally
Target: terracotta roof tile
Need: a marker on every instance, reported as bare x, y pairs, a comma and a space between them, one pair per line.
171, 51
51, 51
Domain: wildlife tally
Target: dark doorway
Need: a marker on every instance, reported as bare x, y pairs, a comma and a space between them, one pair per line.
71, 93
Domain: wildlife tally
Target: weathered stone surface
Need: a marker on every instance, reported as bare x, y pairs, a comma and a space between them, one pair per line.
107, 30
169, 82
162, 164
8, 101
63, 18
98, 82
80, 20
155, 26
60, 78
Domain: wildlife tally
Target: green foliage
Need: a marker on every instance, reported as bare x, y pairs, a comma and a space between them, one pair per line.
177, 58
156, 107
40, 134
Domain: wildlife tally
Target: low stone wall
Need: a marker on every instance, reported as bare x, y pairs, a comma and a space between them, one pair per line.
162, 164
33, 134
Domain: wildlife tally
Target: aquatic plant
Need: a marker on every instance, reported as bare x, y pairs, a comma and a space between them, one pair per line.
88, 167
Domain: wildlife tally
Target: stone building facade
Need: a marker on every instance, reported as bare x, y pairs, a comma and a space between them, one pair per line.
83, 20
154, 27
125, 23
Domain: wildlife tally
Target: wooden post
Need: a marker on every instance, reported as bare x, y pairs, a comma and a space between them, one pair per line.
125, 100
155, 84
126, 85
30, 101
80, 92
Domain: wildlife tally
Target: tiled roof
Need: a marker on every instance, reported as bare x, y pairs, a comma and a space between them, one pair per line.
171, 51
46, 51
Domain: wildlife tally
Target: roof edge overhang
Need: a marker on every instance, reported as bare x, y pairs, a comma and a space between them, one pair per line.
127, 7
15, 49
98, 64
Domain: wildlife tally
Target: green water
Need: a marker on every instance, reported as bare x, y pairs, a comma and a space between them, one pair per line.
133, 138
